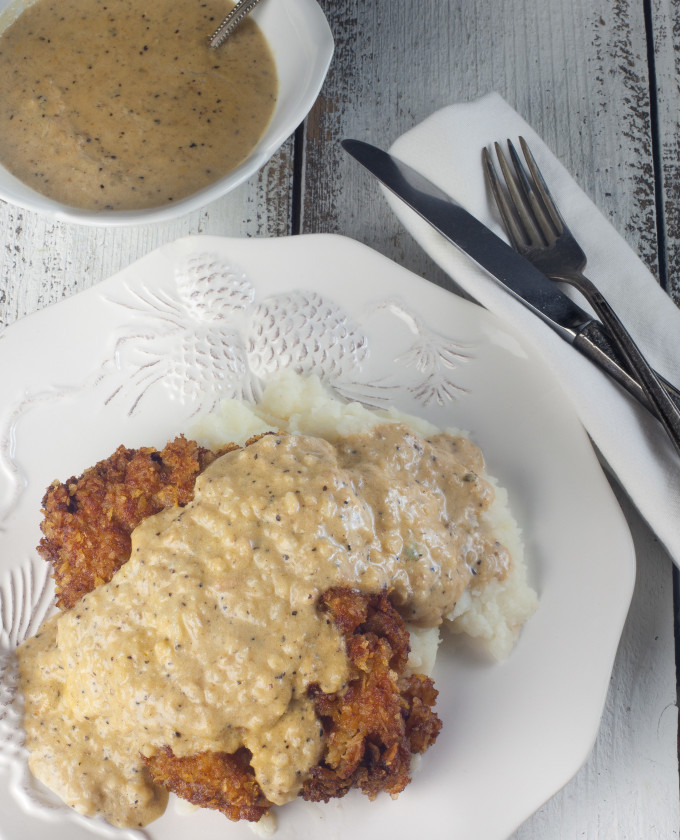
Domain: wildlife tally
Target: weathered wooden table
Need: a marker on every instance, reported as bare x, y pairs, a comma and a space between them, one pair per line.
599, 81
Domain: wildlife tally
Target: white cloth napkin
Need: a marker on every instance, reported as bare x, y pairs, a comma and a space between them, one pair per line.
446, 148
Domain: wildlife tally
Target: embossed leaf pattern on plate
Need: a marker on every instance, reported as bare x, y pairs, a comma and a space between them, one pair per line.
169, 336
211, 337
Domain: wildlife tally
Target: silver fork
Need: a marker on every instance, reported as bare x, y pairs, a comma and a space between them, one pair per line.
537, 231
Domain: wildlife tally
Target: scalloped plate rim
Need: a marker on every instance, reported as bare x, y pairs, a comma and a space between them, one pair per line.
334, 267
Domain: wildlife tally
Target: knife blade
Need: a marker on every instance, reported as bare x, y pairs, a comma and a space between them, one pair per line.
516, 274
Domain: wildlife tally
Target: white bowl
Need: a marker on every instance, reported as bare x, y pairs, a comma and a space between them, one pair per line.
302, 44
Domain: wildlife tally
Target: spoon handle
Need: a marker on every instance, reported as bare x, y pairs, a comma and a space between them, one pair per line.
240, 11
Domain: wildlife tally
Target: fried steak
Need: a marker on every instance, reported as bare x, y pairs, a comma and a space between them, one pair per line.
88, 520
384, 715
373, 727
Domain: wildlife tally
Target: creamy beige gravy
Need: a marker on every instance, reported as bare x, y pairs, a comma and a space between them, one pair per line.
208, 637
123, 105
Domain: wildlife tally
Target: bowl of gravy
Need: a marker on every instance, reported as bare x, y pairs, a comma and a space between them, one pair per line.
121, 113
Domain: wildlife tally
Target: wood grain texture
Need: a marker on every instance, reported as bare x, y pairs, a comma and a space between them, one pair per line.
665, 31
579, 74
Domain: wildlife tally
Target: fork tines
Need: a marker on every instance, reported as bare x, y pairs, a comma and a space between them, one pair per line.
525, 186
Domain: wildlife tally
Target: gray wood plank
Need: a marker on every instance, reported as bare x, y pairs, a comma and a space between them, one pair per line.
665, 20
577, 72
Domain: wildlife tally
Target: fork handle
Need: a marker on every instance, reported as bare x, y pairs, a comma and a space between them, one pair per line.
658, 398
594, 342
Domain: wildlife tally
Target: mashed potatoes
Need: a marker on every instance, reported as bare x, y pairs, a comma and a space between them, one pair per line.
251, 647
492, 614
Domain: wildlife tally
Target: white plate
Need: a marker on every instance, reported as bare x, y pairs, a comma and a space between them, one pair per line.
133, 359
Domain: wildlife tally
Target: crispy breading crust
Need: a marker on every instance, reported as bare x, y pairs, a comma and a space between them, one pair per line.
383, 716
372, 728
88, 520
222, 781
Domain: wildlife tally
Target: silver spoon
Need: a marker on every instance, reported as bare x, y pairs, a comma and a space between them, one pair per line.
240, 11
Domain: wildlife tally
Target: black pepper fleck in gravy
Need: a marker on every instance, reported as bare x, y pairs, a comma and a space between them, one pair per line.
223, 650
113, 106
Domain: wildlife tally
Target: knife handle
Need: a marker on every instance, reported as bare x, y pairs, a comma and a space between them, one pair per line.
594, 343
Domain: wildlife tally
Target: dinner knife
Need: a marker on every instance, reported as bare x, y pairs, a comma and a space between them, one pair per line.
517, 275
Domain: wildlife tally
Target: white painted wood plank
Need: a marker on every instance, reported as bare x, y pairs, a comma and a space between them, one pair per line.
666, 34
578, 73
